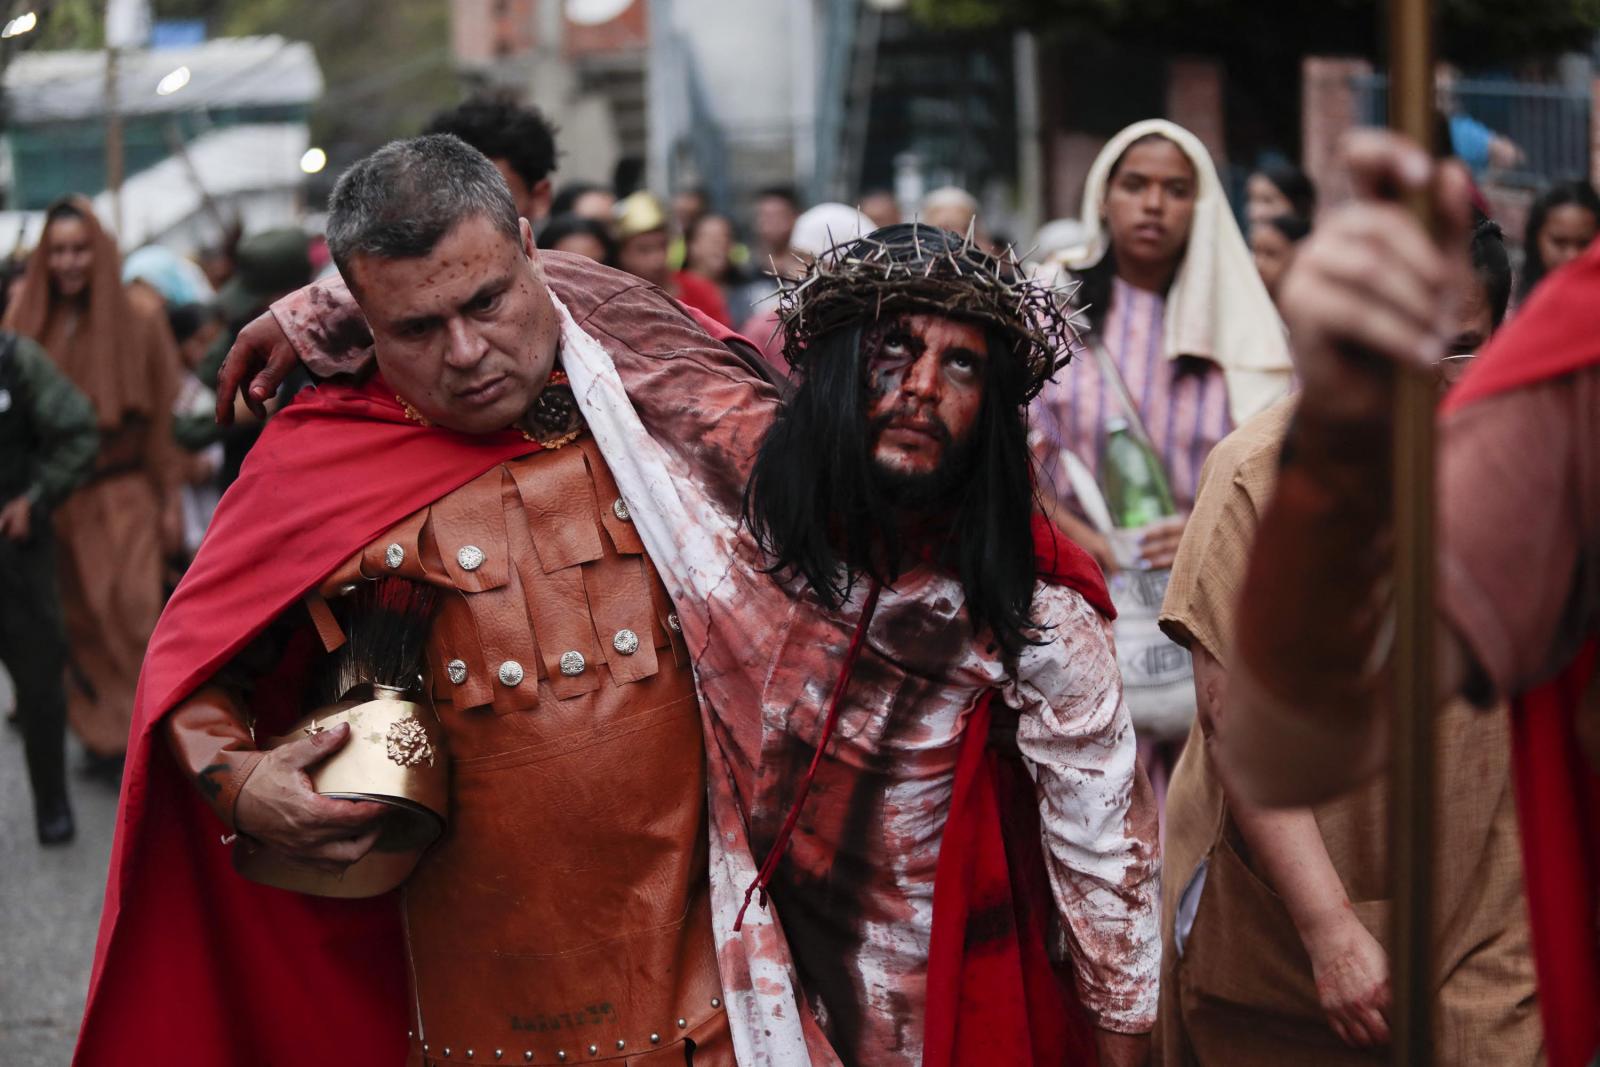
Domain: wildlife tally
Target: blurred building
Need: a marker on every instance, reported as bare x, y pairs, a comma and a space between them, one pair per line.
211, 131
829, 96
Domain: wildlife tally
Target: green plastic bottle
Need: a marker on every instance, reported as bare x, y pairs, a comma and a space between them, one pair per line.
1136, 490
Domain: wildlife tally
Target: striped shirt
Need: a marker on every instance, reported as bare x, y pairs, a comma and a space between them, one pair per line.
1183, 402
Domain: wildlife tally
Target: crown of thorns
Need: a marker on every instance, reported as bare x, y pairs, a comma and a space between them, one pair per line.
916, 267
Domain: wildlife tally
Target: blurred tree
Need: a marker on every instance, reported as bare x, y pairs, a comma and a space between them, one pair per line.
1471, 31
388, 66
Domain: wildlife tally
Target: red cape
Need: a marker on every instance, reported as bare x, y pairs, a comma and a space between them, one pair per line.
1558, 794
994, 995
195, 965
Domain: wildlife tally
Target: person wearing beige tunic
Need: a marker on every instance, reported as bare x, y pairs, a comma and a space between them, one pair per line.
119, 351
1245, 980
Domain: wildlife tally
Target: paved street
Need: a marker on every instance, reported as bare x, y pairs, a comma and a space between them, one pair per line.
49, 911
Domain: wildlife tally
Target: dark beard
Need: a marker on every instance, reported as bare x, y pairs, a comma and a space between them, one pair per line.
930, 492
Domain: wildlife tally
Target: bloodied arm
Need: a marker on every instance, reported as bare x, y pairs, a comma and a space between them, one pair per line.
1097, 812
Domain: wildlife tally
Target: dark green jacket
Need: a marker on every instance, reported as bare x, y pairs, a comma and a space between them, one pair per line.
48, 439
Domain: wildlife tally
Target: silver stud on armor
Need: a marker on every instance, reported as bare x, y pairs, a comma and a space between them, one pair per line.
561, 1054
447, 1050
499, 1052
626, 642
511, 672
621, 1044
469, 1054
393, 557
527, 1057
594, 1050
673, 624
682, 1023
716, 1002
619, 508
572, 664
655, 1039
457, 670
470, 557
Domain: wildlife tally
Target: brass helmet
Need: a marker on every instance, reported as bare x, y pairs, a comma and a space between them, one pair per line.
395, 755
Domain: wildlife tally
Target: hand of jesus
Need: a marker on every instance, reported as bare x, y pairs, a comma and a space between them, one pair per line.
278, 807
1352, 976
262, 355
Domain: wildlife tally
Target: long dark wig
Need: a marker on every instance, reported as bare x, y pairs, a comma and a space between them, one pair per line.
1578, 193
817, 508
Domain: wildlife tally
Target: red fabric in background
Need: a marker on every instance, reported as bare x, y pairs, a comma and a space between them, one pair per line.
1557, 332
994, 995
194, 964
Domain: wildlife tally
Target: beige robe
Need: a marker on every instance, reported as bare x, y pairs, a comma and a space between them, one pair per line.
1242, 993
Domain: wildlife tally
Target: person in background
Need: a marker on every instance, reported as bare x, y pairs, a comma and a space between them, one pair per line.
1562, 223
196, 327
641, 227
1183, 344
48, 444
1474, 143
587, 200
112, 533
1273, 936
713, 252
519, 141
688, 205
1277, 189
814, 233
880, 206
271, 264
776, 210
580, 236
1272, 244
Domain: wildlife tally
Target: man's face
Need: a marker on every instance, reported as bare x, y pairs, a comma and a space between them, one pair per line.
645, 256
533, 201
1474, 323
595, 204
467, 334
1150, 204
1566, 232
774, 222
70, 253
925, 384
881, 208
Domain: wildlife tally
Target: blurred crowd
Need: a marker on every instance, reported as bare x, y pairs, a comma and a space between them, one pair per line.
114, 461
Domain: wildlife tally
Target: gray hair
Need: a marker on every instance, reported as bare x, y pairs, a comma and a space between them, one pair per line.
399, 202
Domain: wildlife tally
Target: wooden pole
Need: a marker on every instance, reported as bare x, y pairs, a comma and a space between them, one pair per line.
1411, 842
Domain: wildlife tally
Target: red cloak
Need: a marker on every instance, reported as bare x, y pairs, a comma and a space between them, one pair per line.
1558, 793
195, 965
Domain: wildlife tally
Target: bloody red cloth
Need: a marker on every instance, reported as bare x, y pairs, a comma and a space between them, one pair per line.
994, 995
1557, 332
195, 965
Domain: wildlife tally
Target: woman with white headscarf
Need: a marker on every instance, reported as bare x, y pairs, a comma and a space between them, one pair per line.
1183, 344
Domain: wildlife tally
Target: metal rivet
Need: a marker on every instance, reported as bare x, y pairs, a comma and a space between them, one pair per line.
527, 1057
457, 670
469, 1054
393, 556
682, 1023
619, 508
621, 1044
410, 1034
626, 642
655, 1039
673, 624
572, 664
561, 1054
511, 672
499, 1052
594, 1050
470, 557
447, 1050
424, 1046
716, 1002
